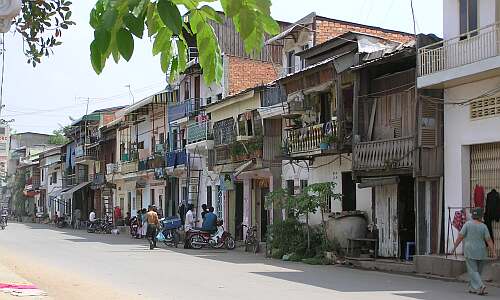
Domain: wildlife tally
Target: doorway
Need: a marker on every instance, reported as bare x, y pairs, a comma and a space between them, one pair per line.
348, 192
386, 218
263, 214
238, 212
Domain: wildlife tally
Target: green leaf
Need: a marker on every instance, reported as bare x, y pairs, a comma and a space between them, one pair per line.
102, 38
212, 14
152, 20
246, 22
182, 53
270, 25
264, 6
94, 18
231, 7
116, 54
95, 57
125, 43
173, 69
162, 40
165, 60
170, 15
134, 24
195, 21
109, 18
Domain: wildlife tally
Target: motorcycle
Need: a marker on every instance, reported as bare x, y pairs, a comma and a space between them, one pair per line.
3, 222
134, 228
199, 238
61, 222
100, 226
169, 229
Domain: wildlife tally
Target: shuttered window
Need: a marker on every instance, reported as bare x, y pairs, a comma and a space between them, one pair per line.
428, 124
485, 107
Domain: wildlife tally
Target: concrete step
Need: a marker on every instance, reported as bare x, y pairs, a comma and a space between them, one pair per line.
383, 265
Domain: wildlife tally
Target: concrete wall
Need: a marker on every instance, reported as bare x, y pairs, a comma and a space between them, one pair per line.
460, 132
451, 16
327, 169
234, 106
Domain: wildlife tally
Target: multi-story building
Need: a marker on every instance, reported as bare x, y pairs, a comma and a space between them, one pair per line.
4, 156
466, 64
51, 178
318, 86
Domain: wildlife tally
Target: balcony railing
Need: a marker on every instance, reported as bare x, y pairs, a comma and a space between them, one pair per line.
199, 132
192, 53
73, 179
224, 132
183, 109
113, 168
272, 96
129, 167
468, 48
83, 152
151, 163
382, 155
176, 158
308, 139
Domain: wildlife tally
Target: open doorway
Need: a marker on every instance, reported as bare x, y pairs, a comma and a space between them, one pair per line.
406, 212
238, 212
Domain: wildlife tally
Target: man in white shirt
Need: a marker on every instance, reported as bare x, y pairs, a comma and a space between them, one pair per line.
92, 217
189, 220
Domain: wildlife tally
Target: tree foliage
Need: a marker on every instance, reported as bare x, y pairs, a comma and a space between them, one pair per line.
41, 24
58, 137
118, 23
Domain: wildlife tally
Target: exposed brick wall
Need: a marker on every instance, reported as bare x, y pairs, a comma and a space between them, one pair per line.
328, 29
246, 73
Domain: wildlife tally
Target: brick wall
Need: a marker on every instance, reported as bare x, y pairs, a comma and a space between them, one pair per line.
328, 29
246, 73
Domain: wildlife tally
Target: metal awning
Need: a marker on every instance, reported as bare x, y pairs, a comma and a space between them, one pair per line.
244, 166
75, 188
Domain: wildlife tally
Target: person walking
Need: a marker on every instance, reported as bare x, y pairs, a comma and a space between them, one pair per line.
144, 221
475, 236
152, 223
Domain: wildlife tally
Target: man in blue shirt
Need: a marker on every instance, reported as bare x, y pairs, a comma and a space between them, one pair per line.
210, 221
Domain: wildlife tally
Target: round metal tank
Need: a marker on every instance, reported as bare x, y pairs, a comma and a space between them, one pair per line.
342, 226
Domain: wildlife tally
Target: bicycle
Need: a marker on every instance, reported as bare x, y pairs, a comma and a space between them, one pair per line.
251, 240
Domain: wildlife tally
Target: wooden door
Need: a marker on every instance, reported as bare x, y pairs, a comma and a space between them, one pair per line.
386, 216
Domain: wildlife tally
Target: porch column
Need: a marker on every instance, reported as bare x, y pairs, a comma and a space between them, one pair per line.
247, 204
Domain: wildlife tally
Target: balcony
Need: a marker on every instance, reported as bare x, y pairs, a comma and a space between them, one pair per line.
85, 154
74, 179
224, 132
184, 109
113, 168
199, 135
461, 59
176, 158
383, 155
129, 167
151, 163
311, 140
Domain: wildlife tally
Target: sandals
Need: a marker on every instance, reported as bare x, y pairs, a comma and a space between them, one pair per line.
482, 291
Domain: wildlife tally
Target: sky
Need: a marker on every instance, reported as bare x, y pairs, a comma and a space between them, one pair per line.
44, 98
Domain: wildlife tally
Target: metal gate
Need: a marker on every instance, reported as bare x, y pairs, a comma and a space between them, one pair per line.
485, 171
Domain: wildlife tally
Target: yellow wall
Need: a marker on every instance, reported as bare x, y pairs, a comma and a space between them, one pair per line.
234, 107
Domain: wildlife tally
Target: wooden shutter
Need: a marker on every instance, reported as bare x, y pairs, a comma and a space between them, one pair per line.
428, 124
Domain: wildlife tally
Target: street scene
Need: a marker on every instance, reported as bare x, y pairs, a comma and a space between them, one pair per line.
249, 149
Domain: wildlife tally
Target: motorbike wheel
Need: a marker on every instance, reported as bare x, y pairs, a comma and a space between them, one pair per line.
230, 244
194, 240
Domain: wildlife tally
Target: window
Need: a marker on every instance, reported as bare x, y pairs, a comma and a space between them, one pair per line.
468, 17
485, 107
303, 61
290, 62
54, 177
209, 195
140, 145
153, 200
303, 185
2, 130
162, 138
187, 88
209, 100
290, 187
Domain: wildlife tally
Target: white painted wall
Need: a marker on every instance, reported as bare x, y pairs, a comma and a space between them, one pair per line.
305, 38
451, 16
327, 169
460, 132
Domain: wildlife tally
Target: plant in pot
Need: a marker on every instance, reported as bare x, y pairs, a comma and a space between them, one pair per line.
328, 142
256, 147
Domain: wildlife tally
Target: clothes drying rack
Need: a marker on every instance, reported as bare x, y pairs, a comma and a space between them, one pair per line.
450, 226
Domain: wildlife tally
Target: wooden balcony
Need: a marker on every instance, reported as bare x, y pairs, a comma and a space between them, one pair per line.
306, 141
85, 154
394, 154
474, 46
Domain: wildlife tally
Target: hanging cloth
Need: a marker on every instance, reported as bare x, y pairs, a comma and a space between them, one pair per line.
459, 219
479, 196
492, 210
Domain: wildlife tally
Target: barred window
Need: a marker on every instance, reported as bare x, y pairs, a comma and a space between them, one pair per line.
485, 107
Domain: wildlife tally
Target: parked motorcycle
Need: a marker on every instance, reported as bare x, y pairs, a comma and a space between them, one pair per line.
61, 222
199, 239
169, 229
100, 226
3, 222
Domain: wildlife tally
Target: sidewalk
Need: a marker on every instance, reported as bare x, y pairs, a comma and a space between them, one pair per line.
12, 286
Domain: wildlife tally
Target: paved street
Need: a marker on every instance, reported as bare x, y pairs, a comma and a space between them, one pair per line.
77, 265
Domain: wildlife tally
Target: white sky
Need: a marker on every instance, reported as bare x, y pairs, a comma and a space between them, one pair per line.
41, 98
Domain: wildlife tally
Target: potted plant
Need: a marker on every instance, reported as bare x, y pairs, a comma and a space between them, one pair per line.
328, 142
256, 147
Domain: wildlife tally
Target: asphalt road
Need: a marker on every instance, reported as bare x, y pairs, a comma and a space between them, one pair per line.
76, 265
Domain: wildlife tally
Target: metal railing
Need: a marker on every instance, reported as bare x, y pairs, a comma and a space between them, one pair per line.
183, 109
129, 167
465, 49
85, 152
307, 139
199, 132
73, 179
386, 154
